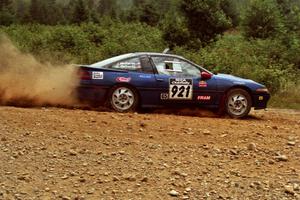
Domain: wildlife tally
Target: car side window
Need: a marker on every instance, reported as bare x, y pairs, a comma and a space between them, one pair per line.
146, 65
175, 67
133, 64
190, 70
164, 65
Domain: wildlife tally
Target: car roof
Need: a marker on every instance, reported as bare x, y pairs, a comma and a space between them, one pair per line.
156, 54
129, 55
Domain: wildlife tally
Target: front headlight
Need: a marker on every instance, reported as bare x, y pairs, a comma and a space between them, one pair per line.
262, 90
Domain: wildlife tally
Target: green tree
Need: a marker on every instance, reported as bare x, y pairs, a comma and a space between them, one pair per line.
138, 3
6, 5
147, 11
107, 8
205, 19
80, 12
230, 8
262, 19
21, 13
53, 13
150, 13
35, 11
7, 16
290, 10
68, 11
92, 10
175, 32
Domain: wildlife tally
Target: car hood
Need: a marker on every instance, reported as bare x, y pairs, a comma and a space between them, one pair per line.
233, 78
237, 80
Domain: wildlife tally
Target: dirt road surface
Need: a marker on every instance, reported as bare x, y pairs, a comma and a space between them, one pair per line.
55, 153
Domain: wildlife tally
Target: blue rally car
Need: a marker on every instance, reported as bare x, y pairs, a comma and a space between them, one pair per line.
134, 80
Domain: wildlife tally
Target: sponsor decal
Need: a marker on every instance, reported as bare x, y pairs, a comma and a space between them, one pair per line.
145, 76
181, 88
129, 65
239, 83
123, 79
202, 84
164, 96
97, 75
260, 98
180, 81
204, 98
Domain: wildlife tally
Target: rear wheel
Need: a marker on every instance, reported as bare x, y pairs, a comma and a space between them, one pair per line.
238, 103
123, 99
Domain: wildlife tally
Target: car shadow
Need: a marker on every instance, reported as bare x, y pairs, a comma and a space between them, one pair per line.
196, 112
253, 117
189, 112
181, 112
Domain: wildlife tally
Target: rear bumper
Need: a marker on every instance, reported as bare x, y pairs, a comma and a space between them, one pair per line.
92, 94
260, 100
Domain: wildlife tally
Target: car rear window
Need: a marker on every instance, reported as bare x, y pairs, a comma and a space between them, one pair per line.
133, 64
110, 60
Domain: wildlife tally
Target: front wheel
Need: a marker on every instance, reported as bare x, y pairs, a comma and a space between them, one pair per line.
123, 99
238, 103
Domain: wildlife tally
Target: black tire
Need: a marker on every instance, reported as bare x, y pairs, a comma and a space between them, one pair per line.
127, 101
238, 103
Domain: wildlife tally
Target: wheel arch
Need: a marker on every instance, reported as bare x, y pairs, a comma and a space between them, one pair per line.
243, 87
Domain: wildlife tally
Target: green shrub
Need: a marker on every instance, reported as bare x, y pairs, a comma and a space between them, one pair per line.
86, 43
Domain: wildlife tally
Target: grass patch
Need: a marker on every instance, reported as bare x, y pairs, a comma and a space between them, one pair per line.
288, 98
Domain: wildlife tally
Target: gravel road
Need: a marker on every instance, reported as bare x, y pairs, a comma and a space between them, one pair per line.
57, 153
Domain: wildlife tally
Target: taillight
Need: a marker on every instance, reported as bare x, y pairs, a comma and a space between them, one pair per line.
84, 74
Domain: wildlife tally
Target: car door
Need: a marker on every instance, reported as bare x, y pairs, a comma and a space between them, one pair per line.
179, 82
137, 72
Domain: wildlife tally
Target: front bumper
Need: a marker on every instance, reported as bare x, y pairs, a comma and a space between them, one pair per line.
260, 100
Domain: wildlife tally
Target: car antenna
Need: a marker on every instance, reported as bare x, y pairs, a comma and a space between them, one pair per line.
166, 51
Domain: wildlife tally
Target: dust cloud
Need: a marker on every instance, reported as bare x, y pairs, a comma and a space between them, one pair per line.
25, 81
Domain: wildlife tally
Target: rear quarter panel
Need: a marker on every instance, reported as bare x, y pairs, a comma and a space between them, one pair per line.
145, 84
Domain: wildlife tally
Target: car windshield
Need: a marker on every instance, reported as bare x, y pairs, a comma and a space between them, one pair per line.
110, 60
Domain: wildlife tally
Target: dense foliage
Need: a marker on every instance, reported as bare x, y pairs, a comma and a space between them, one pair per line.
262, 19
205, 19
257, 39
86, 43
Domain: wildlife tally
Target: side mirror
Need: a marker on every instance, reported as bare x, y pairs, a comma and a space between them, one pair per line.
205, 75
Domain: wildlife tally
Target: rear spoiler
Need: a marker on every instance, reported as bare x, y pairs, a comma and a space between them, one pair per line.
166, 51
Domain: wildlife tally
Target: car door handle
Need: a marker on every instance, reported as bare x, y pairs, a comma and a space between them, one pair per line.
160, 80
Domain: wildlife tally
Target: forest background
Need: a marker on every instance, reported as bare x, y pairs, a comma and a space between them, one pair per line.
255, 39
